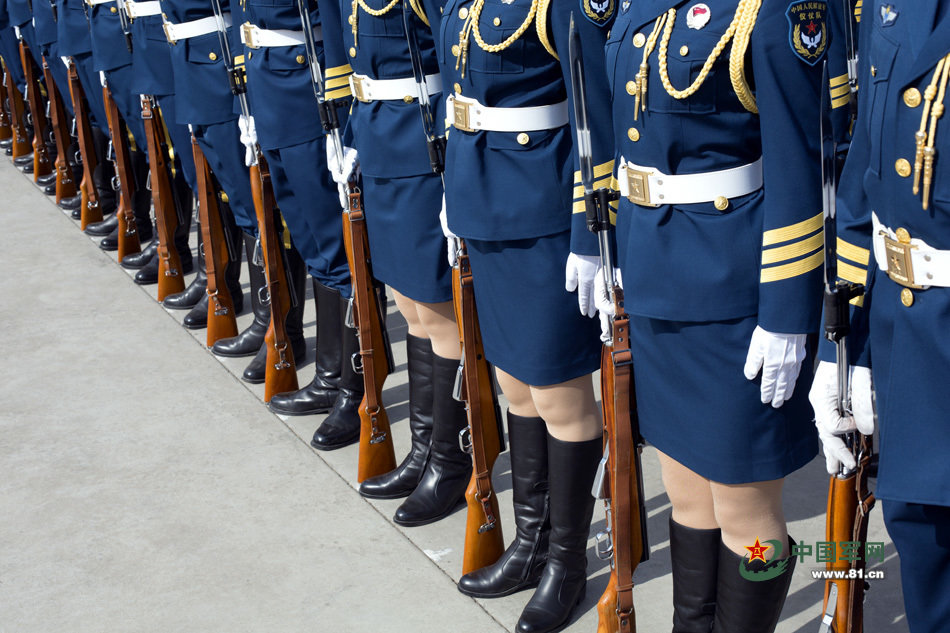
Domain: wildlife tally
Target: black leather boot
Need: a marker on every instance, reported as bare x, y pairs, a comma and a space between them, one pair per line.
342, 426
24, 162
192, 295
404, 479
521, 565
103, 228
320, 395
142, 197
296, 270
751, 606
233, 237
250, 340
104, 172
449, 469
148, 273
47, 180
111, 241
184, 205
571, 468
137, 260
695, 559
71, 204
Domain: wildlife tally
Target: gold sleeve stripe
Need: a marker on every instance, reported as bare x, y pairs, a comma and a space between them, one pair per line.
337, 83
840, 91
792, 232
858, 301
841, 101
600, 171
797, 249
857, 11
852, 273
787, 271
339, 93
603, 182
840, 80
854, 253
336, 71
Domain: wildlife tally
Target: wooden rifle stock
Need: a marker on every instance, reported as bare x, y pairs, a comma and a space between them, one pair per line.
623, 485
128, 231
41, 162
6, 130
221, 320
91, 209
170, 278
21, 144
376, 453
849, 503
65, 185
484, 540
280, 374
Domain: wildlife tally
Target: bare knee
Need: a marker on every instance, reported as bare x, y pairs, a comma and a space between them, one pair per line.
569, 409
518, 395
407, 308
438, 320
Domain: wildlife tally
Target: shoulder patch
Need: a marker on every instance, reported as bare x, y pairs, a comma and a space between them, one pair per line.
598, 11
808, 30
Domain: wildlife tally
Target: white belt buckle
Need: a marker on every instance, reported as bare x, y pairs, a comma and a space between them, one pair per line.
461, 115
900, 264
247, 34
356, 83
167, 27
129, 11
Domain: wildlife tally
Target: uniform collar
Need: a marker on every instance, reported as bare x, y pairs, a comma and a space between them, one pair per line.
934, 47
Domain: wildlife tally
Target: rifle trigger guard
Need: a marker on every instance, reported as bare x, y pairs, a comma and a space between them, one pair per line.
356, 361
465, 440
263, 295
116, 183
348, 319
604, 545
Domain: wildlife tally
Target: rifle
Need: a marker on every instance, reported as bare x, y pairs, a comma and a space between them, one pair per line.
21, 143
280, 373
128, 230
170, 279
65, 185
620, 475
41, 162
849, 500
221, 320
6, 131
484, 540
376, 453
91, 209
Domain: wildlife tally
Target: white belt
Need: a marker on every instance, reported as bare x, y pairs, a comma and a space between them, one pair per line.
256, 37
93, 3
909, 261
648, 187
366, 89
187, 30
143, 9
470, 115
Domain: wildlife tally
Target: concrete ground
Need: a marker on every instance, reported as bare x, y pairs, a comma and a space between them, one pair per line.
144, 487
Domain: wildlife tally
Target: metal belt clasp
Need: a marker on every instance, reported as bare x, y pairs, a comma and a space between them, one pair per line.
247, 34
638, 185
900, 266
167, 27
356, 83
461, 111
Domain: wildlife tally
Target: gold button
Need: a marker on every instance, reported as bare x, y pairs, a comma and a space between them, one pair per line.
352, 52
639, 40
496, 21
113, 10
633, 134
631, 87
300, 59
907, 297
903, 236
224, 197
250, 54
408, 99
523, 139
903, 167
457, 87
721, 203
463, 13
912, 97
212, 56
873, 71
455, 50
350, 20
684, 50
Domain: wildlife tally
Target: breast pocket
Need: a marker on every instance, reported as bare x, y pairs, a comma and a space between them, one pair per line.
204, 49
496, 24
685, 59
386, 25
881, 59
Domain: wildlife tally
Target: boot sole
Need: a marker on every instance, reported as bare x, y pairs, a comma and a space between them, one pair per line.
400, 495
308, 412
333, 447
429, 520
502, 594
242, 355
195, 326
254, 381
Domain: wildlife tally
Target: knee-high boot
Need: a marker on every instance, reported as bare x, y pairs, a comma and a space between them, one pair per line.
320, 395
404, 479
521, 565
448, 470
695, 560
750, 606
571, 468
195, 292
250, 340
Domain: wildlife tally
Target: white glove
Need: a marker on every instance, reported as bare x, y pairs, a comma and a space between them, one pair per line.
780, 358
66, 61
451, 239
341, 172
824, 400
102, 78
579, 274
248, 137
605, 307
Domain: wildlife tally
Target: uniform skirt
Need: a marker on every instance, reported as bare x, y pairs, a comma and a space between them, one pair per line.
696, 405
405, 236
531, 327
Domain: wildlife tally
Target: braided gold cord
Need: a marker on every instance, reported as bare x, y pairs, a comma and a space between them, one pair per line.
377, 12
511, 39
541, 24
740, 43
920, 138
936, 111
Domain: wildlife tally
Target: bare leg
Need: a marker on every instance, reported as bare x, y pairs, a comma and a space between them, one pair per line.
518, 394
746, 512
689, 493
438, 320
407, 307
569, 409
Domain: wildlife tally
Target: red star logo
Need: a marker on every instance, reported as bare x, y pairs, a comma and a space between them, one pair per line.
757, 551
811, 27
